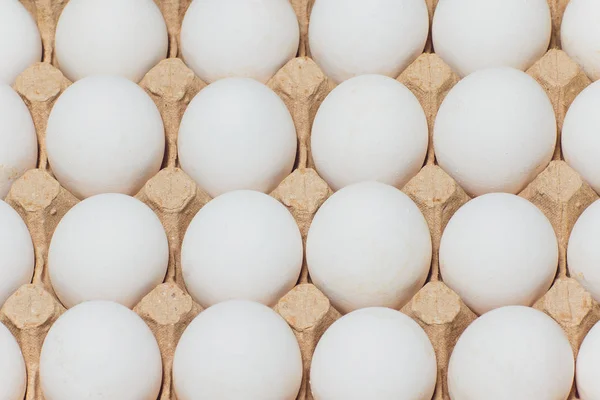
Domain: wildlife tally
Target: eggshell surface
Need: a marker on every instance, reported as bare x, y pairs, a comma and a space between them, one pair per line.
495, 131
374, 353
13, 376
368, 245
18, 139
237, 349
241, 245
369, 128
20, 41
580, 141
470, 35
100, 350
588, 361
237, 134
580, 35
104, 135
583, 254
355, 37
512, 352
239, 38
117, 37
498, 250
107, 247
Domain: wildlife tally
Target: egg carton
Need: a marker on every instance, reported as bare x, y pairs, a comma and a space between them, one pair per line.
38, 197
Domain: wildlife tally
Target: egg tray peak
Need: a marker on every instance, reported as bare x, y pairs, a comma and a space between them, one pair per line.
40, 200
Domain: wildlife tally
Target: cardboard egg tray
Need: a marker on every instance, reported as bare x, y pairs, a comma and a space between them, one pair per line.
558, 191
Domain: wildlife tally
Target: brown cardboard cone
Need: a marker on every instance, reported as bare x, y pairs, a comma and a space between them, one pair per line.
302, 193
41, 202
167, 310
39, 87
302, 86
176, 199
303, 9
431, 5
443, 316
309, 313
46, 14
172, 86
430, 80
562, 196
557, 9
563, 80
29, 313
438, 197
173, 12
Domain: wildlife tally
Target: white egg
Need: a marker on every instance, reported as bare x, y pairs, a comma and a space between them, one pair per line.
369, 128
513, 352
104, 135
495, 131
17, 258
472, 34
498, 250
18, 140
356, 37
237, 350
13, 376
108, 247
588, 362
20, 41
580, 35
580, 140
118, 37
237, 134
241, 245
100, 350
373, 353
239, 38
583, 252
368, 245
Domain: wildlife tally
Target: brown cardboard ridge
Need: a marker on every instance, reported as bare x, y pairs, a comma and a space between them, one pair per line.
558, 191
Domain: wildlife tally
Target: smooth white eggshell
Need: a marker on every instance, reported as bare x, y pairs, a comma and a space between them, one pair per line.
119, 37
107, 247
472, 34
373, 353
18, 140
237, 349
580, 139
13, 376
20, 41
588, 363
580, 35
356, 37
583, 252
100, 350
239, 38
237, 134
16, 252
495, 131
513, 352
104, 135
368, 245
241, 245
498, 250
369, 128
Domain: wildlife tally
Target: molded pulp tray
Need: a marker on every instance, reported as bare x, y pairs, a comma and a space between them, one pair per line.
558, 191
